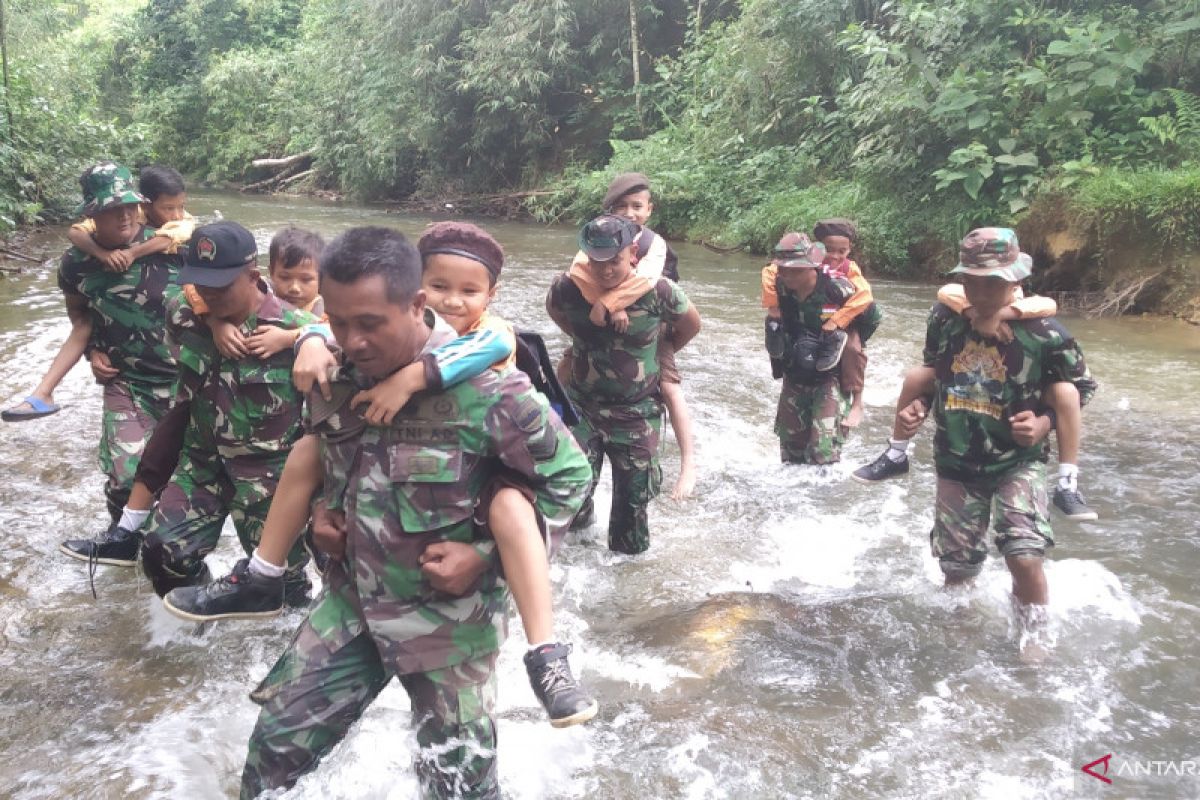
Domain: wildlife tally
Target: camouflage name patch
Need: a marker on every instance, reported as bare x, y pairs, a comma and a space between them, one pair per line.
417, 433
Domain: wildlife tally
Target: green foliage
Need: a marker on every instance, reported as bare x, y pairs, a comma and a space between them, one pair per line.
1157, 209
920, 119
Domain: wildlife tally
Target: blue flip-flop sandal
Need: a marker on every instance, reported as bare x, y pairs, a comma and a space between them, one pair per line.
38, 408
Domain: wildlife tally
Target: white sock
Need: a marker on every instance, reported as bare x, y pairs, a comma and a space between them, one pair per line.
131, 519
533, 647
897, 449
1068, 477
260, 566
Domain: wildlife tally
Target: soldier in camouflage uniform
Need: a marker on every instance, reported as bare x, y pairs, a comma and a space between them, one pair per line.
812, 404
413, 590
245, 416
128, 347
992, 423
614, 377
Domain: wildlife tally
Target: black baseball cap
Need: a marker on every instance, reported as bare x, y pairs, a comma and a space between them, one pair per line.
606, 236
217, 255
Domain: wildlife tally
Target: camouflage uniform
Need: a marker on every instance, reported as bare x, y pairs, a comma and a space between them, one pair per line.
614, 382
245, 416
979, 384
402, 488
812, 404
128, 310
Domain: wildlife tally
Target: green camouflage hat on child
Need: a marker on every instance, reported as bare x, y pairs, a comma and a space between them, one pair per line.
107, 185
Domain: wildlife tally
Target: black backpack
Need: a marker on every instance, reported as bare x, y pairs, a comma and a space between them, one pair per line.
534, 360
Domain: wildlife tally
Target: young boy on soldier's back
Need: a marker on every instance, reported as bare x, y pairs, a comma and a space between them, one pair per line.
629, 196
292, 272
162, 213
989, 403
461, 265
1061, 397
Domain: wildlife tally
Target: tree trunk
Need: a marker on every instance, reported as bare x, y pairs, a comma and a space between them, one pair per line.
637, 70
699, 16
272, 163
4, 61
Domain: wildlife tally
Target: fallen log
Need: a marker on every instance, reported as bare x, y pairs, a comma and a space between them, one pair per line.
299, 176
18, 254
268, 183
279, 163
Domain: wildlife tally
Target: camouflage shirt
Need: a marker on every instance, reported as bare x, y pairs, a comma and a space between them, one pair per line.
415, 482
128, 310
810, 313
243, 406
980, 383
617, 369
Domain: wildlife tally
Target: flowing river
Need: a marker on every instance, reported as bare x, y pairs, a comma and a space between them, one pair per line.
785, 636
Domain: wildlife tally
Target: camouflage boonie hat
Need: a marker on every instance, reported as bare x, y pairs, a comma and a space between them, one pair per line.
993, 252
797, 250
606, 236
107, 185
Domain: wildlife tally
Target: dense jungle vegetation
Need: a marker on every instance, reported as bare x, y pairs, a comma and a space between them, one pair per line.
1078, 120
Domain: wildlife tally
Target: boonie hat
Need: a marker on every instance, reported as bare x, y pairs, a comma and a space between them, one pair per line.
797, 250
993, 252
217, 254
107, 185
606, 236
624, 184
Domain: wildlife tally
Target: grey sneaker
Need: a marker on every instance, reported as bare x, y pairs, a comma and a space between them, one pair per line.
564, 698
829, 354
1070, 503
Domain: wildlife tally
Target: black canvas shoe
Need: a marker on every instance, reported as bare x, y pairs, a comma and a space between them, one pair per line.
565, 700
881, 469
239, 595
830, 351
116, 547
1070, 503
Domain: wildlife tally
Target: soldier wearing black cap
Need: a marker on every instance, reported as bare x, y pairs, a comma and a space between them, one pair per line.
245, 416
614, 375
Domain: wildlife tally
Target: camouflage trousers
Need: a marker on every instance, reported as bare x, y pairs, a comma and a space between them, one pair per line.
191, 511
316, 691
631, 444
127, 421
963, 512
809, 421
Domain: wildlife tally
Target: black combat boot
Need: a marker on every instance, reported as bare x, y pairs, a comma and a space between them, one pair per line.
565, 700
241, 594
117, 547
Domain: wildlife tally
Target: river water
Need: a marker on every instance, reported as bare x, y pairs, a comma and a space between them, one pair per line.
784, 637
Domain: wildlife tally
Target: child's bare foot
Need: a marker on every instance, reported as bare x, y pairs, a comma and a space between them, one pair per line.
855, 417
685, 484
